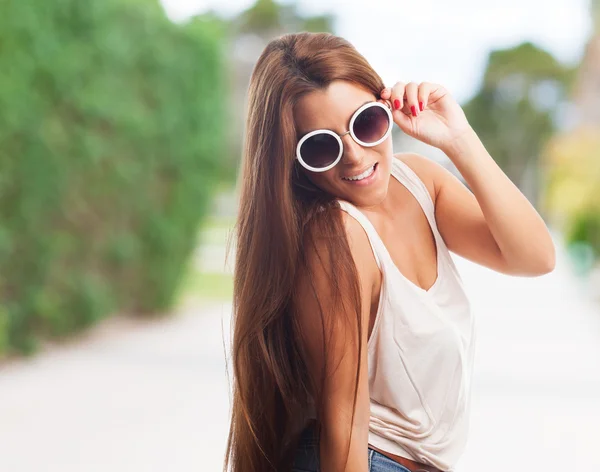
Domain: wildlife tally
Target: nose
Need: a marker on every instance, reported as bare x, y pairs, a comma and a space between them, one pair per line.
353, 152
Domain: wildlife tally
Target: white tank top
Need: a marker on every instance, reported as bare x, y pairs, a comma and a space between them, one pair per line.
420, 351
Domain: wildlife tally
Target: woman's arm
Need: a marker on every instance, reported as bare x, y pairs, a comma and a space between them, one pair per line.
494, 225
341, 351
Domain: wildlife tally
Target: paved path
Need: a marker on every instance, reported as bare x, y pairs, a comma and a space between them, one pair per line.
133, 397
153, 396
536, 397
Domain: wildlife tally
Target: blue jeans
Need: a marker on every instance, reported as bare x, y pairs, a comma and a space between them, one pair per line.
307, 457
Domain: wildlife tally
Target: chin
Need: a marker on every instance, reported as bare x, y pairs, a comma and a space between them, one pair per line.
364, 195
373, 197
370, 200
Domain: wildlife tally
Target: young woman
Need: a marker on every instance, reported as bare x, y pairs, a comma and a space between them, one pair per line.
353, 337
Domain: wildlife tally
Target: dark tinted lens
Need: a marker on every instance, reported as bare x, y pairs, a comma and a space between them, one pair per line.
371, 124
320, 150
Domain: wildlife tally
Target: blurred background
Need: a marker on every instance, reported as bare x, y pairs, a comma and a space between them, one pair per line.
121, 124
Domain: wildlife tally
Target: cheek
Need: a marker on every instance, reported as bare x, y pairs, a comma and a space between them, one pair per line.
323, 180
386, 152
385, 148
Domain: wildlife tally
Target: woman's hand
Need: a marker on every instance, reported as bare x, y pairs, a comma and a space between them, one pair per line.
427, 112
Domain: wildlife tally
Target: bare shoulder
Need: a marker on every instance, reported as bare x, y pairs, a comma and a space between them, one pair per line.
429, 171
322, 259
360, 247
318, 251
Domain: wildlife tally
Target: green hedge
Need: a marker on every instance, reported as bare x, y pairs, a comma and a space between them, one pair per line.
585, 228
111, 126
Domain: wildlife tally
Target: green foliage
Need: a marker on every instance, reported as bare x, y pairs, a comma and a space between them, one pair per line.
262, 15
111, 121
207, 286
571, 193
272, 18
318, 24
514, 110
585, 228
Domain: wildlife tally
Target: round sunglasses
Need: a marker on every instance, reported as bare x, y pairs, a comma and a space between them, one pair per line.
321, 149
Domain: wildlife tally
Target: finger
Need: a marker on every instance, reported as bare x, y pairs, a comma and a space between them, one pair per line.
402, 119
397, 95
412, 98
425, 90
386, 103
398, 99
385, 97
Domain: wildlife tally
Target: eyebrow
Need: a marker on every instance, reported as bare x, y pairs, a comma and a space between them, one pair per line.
299, 135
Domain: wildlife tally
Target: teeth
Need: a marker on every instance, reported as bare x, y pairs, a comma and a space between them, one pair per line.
365, 174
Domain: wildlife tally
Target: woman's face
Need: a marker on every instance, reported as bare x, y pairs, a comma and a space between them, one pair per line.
332, 109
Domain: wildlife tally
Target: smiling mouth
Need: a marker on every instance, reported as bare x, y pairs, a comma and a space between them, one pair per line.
362, 175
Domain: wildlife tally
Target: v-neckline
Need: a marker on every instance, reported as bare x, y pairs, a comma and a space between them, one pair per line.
438, 263
438, 258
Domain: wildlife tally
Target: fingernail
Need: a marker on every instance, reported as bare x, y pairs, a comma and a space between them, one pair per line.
414, 110
421, 105
396, 103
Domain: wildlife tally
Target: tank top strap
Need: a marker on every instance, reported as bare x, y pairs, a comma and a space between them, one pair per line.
376, 243
417, 187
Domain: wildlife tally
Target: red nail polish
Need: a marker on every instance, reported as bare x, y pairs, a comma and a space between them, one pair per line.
396, 103
414, 110
421, 105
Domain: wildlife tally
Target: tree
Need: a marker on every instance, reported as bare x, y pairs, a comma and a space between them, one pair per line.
514, 112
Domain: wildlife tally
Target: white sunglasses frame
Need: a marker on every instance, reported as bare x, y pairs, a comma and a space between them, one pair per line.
339, 136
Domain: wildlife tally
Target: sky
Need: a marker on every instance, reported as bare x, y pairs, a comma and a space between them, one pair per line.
434, 41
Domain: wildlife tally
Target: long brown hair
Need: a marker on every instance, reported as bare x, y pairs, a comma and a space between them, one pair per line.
280, 213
